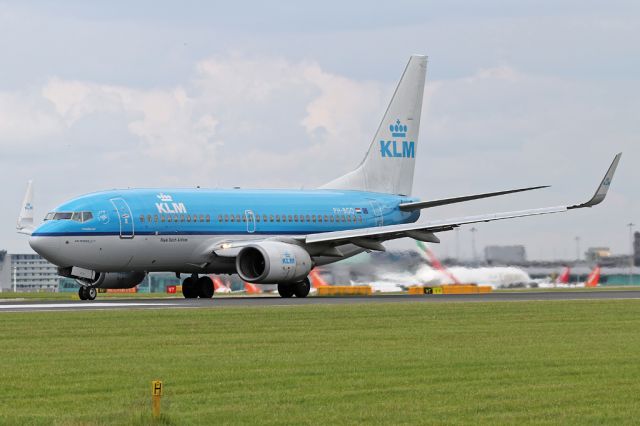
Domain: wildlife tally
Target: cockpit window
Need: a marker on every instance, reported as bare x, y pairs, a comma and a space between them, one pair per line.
62, 216
75, 216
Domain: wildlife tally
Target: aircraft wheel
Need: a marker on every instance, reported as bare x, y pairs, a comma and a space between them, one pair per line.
205, 287
81, 293
91, 293
302, 288
285, 290
189, 288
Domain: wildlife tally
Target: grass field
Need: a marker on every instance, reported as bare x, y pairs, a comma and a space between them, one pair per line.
539, 362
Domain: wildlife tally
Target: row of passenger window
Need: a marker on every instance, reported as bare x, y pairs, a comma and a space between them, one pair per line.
175, 218
258, 218
292, 218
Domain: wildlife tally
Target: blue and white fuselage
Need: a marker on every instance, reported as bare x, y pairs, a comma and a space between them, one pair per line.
170, 229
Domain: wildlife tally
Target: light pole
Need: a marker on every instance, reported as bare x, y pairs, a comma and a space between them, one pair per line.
631, 225
473, 244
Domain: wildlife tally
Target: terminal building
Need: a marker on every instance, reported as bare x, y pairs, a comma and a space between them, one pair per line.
27, 273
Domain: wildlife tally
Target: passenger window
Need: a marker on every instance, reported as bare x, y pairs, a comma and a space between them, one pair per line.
308, 218
313, 218
257, 218
201, 218
277, 218
270, 218
175, 217
301, 218
208, 218
141, 218
295, 217
319, 219
244, 217
181, 218
155, 218
326, 218
264, 217
219, 218
237, 218
226, 218
162, 218
195, 218
344, 218
169, 218
290, 218
148, 218
233, 218
188, 218
349, 218
331, 218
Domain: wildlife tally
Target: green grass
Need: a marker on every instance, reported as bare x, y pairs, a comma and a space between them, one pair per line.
539, 362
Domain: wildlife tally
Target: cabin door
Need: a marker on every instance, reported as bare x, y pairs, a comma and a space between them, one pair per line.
377, 212
124, 216
251, 221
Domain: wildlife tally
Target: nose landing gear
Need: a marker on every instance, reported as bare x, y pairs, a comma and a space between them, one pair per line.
194, 287
87, 293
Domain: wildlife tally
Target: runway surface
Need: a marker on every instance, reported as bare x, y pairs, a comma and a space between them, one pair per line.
244, 301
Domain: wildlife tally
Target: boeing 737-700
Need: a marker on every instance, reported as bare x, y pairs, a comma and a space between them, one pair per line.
112, 239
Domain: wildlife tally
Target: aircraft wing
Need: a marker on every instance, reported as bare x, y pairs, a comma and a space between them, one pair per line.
371, 237
326, 243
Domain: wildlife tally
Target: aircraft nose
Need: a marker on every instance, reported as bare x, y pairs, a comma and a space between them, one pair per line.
46, 247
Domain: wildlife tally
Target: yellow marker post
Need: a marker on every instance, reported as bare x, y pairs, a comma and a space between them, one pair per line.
156, 394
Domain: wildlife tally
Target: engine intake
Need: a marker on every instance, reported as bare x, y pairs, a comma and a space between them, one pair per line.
273, 262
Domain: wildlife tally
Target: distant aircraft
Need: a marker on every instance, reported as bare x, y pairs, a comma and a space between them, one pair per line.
563, 278
112, 239
219, 286
594, 277
252, 288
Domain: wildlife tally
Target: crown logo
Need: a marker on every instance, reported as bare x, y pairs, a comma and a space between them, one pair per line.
165, 197
28, 206
398, 130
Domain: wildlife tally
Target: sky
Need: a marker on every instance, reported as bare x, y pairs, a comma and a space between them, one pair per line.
288, 94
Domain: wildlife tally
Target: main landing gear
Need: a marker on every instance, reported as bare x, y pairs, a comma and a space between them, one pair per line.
300, 289
194, 287
87, 293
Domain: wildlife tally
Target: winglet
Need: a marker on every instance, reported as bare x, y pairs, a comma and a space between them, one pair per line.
25, 218
602, 190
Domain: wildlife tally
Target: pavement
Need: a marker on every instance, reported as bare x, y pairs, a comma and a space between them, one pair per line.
245, 301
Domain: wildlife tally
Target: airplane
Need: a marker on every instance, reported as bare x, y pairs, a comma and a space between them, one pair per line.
594, 277
563, 278
112, 239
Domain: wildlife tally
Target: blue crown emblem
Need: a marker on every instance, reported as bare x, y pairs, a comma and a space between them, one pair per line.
398, 130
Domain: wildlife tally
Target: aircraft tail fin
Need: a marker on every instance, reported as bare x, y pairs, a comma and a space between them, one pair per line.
25, 223
564, 277
390, 162
594, 277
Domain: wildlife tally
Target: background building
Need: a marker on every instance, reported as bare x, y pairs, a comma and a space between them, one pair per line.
505, 255
30, 272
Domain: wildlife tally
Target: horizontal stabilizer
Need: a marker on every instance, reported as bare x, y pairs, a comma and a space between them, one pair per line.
435, 203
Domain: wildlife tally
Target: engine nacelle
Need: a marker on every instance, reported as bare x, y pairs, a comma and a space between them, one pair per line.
116, 280
273, 262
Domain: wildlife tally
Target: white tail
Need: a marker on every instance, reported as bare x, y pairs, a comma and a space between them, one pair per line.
389, 164
25, 218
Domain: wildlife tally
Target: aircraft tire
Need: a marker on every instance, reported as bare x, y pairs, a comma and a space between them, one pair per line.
91, 293
286, 290
302, 288
189, 289
205, 287
81, 293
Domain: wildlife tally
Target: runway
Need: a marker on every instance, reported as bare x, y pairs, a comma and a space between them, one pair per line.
244, 301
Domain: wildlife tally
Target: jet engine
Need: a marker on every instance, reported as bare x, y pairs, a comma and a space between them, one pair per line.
273, 262
115, 280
